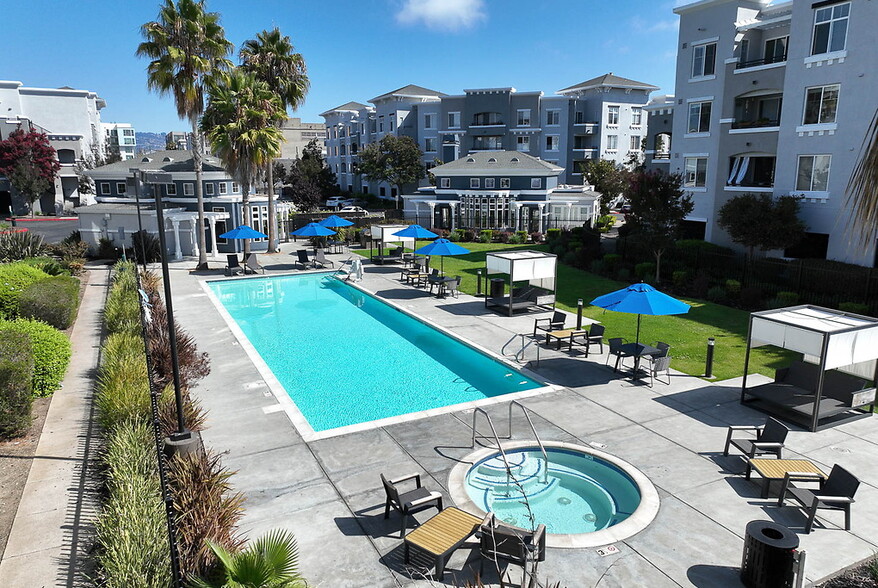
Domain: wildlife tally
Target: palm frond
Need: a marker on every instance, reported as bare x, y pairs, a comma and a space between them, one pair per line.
862, 190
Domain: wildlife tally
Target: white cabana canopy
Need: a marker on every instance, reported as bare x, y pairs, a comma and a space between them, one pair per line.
536, 268
385, 234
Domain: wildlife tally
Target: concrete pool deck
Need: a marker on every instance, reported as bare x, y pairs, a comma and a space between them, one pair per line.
329, 494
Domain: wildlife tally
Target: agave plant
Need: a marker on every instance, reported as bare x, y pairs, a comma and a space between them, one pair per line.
15, 246
268, 562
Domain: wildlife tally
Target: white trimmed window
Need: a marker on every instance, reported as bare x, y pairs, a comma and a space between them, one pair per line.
699, 117
121, 187
105, 188
380, 124
392, 122
504, 183
170, 189
223, 187
235, 188
830, 29
612, 142
474, 182
695, 175
704, 60
635, 143
524, 117
636, 116
188, 189
821, 104
428, 121
489, 183
813, 173
552, 142
444, 182
612, 115
536, 183
553, 117
453, 120
208, 189
430, 144
522, 143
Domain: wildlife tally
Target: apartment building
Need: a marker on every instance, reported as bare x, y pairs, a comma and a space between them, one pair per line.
599, 118
72, 120
775, 98
298, 134
120, 138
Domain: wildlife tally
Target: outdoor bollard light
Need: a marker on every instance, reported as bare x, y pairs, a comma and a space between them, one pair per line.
708, 367
579, 314
479, 283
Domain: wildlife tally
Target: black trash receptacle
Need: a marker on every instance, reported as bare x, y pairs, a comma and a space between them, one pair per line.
498, 287
769, 556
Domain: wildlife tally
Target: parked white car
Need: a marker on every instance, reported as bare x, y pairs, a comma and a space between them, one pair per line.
335, 201
353, 209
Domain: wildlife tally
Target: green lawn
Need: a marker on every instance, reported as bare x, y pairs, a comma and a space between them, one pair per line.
687, 334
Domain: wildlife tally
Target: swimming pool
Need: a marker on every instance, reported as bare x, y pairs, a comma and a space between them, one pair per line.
344, 357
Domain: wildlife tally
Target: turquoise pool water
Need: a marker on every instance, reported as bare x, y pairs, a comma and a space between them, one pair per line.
346, 357
581, 494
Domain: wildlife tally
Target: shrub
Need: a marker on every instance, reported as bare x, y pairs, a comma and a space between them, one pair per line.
51, 353
122, 393
751, 297
131, 531
536, 237
193, 365
486, 236
569, 258
733, 287
551, 235
504, 236
645, 271
72, 253
514, 239
522, 236
612, 261
605, 223
454, 236
143, 241
16, 381
106, 249
46, 264
700, 285
854, 307
788, 298
14, 278
53, 301
122, 311
717, 294
680, 279
623, 274
597, 266
469, 235
17, 245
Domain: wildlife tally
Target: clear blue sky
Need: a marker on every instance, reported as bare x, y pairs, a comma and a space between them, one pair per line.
355, 50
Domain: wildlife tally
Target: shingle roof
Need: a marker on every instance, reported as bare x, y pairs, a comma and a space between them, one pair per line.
507, 161
410, 90
608, 79
346, 106
169, 161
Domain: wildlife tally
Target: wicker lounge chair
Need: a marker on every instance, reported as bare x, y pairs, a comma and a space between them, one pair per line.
505, 544
836, 493
253, 264
233, 266
410, 502
320, 257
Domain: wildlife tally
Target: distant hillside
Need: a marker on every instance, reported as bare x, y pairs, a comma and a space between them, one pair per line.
149, 141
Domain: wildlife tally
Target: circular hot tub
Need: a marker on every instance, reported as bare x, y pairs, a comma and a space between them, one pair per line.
585, 497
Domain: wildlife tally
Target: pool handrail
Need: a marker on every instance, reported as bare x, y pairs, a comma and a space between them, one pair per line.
533, 429
497, 439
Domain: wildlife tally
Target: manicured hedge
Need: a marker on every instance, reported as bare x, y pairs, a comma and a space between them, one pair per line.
14, 278
122, 387
50, 349
122, 311
16, 375
53, 301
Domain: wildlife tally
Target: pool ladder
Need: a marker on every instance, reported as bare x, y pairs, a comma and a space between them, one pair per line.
496, 438
526, 341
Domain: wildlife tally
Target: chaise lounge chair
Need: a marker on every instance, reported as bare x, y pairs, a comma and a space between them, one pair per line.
302, 258
253, 264
836, 493
233, 266
410, 502
320, 257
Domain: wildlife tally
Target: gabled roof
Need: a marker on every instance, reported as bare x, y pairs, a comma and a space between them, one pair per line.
167, 161
513, 163
349, 106
607, 80
410, 91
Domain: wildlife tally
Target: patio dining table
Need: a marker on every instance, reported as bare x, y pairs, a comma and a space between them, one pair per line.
440, 283
638, 350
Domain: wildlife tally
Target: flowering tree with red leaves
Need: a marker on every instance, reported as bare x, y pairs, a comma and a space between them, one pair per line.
29, 161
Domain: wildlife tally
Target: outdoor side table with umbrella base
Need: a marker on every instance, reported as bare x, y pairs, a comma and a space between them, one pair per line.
640, 299
313, 230
441, 248
334, 222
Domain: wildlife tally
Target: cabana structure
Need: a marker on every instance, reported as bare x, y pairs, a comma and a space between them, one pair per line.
536, 268
381, 236
834, 382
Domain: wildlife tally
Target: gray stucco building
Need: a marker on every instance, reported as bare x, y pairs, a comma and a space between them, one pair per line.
599, 118
775, 98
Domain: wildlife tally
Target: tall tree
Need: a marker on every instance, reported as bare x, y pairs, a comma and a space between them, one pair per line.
312, 165
395, 160
241, 124
760, 221
658, 207
187, 46
608, 178
30, 163
862, 190
271, 57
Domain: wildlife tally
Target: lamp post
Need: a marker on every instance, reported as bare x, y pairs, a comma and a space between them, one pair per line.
579, 314
479, 283
182, 441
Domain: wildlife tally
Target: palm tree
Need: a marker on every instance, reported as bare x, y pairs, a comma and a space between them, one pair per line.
272, 58
187, 46
241, 123
269, 562
862, 191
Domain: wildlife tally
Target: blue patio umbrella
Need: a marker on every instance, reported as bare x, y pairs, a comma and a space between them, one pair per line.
416, 232
313, 230
441, 247
641, 299
243, 232
334, 221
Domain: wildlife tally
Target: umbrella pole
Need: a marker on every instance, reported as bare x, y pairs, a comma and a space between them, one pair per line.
637, 338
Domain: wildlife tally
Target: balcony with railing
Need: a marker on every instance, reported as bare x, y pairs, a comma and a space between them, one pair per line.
758, 112
767, 60
751, 174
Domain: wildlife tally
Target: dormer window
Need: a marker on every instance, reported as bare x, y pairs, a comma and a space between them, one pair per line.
145, 160
492, 160
167, 159
514, 160
470, 160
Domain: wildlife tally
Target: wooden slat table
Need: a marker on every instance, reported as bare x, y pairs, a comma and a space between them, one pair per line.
566, 334
777, 469
442, 535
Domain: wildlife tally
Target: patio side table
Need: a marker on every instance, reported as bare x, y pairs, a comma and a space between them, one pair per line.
775, 469
565, 336
442, 535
